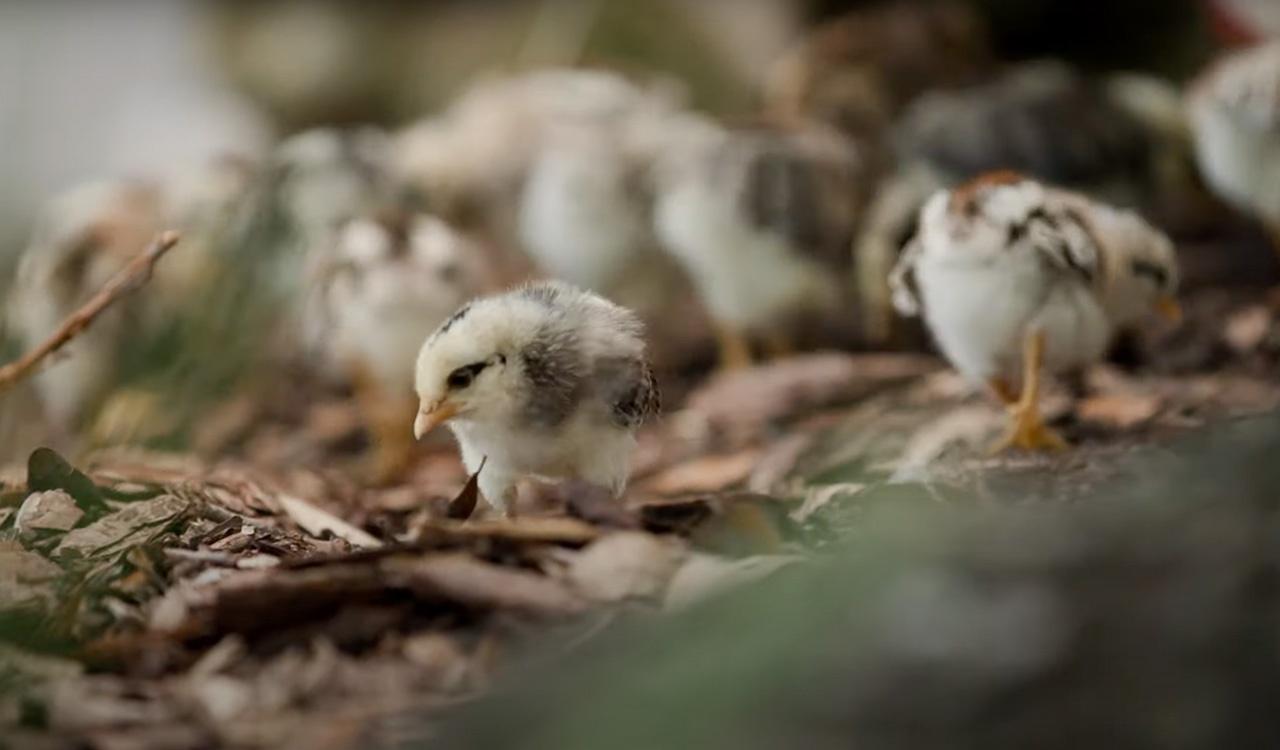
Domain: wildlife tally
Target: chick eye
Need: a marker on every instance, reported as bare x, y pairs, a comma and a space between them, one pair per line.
462, 377
1157, 274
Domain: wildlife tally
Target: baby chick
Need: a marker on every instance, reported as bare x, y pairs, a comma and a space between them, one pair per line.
762, 220
82, 238
1014, 277
546, 380
859, 70
471, 161
1235, 115
375, 294
1122, 139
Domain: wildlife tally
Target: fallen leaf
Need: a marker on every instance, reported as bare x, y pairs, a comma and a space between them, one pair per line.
464, 505
474, 583
550, 530
742, 403
817, 498
1119, 411
50, 510
316, 522
625, 565
705, 474
136, 523
46, 470
703, 575
1245, 330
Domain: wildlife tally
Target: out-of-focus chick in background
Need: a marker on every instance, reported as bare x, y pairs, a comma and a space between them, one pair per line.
858, 70
82, 238
374, 294
1120, 138
1235, 114
762, 218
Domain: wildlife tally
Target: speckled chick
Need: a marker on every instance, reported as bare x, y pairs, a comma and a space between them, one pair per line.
1014, 277
546, 380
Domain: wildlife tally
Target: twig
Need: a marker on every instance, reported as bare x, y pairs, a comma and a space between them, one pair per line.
131, 277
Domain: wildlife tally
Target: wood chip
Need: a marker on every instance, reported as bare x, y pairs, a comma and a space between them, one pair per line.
1119, 411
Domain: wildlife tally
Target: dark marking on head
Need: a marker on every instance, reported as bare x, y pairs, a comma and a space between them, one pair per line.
458, 315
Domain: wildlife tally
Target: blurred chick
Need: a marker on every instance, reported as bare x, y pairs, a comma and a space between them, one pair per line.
374, 295
1014, 277
81, 239
762, 219
858, 71
471, 161
546, 380
1234, 108
1123, 139
585, 216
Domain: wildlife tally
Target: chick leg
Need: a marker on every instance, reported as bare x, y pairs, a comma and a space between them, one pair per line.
1026, 428
1003, 391
779, 344
389, 420
735, 350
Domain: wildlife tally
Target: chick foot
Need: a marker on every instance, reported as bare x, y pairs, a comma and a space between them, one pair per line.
778, 345
735, 349
1027, 430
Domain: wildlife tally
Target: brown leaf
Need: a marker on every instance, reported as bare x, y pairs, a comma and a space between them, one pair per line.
137, 523
626, 565
52, 510
464, 505
1119, 411
316, 522
705, 473
742, 403
704, 575
474, 583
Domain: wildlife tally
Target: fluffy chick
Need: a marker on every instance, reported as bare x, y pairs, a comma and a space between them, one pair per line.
1014, 277
1122, 139
82, 238
470, 162
857, 71
1234, 109
374, 295
546, 380
762, 220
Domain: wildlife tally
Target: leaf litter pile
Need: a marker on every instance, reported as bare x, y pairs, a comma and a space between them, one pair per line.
163, 600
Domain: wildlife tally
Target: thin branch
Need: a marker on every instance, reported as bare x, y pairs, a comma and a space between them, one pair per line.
130, 278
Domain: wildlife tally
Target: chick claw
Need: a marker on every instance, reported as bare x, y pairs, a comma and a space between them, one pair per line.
1028, 432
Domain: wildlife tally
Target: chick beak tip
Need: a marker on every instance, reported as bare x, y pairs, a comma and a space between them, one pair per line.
428, 419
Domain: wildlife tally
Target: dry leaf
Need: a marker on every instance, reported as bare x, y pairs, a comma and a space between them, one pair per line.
704, 575
464, 505
1245, 330
51, 510
474, 583
626, 565
316, 522
1119, 411
136, 523
705, 474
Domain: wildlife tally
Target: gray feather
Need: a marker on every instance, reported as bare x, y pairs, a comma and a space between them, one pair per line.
553, 365
629, 388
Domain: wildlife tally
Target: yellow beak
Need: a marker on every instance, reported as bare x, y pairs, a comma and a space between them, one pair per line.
1169, 309
432, 417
